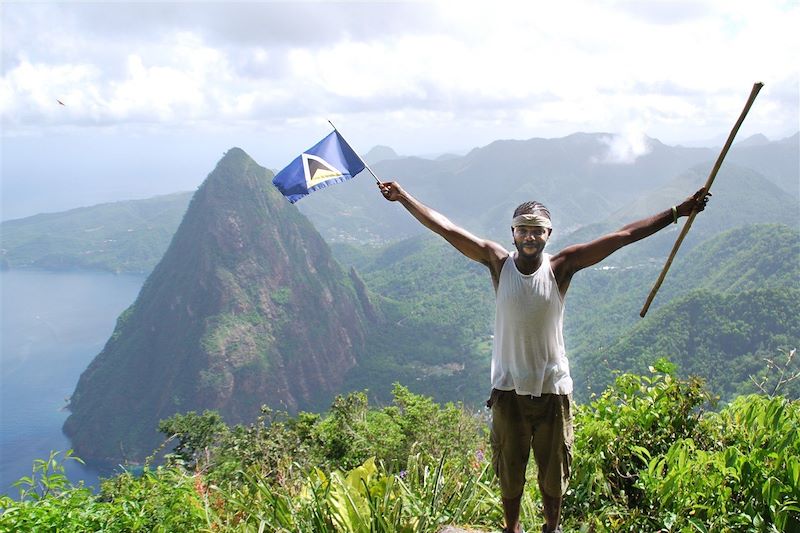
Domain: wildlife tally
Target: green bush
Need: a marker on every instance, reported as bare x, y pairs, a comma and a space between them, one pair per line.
164, 500
743, 474
648, 457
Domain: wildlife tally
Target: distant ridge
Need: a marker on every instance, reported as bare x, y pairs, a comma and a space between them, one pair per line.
379, 153
759, 139
573, 175
122, 237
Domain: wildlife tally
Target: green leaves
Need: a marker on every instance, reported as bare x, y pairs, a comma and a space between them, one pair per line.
47, 478
647, 458
195, 434
164, 500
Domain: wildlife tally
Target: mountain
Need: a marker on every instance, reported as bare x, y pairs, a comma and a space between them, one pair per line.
379, 153
128, 236
759, 139
436, 307
779, 161
412, 272
605, 299
583, 178
247, 307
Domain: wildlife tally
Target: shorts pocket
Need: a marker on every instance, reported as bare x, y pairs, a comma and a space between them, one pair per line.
493, 397
566, 467
568, 407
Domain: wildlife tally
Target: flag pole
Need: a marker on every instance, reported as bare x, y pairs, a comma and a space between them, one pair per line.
357, 154
753, 93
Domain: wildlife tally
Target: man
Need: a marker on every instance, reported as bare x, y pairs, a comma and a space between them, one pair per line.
531, 383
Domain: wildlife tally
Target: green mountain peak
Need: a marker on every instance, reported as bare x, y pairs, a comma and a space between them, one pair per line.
247, 307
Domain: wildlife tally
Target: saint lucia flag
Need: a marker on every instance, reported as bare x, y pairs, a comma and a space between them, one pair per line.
329, 161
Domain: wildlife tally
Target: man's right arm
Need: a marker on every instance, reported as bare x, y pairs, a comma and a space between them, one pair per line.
484, 251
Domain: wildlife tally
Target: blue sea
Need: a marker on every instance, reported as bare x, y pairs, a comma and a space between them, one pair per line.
51, 327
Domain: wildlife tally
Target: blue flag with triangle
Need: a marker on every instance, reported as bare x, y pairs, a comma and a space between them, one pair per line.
329, 161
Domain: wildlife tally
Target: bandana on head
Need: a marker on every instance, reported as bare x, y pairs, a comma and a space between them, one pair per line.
531, 220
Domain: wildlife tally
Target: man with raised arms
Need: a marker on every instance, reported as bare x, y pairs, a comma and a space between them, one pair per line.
531, 385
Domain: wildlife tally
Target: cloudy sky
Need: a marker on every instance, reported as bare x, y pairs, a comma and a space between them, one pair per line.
155, 92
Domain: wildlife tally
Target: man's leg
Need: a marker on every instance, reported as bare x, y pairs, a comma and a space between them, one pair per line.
552, 511
552, 443
511, 513
511, 445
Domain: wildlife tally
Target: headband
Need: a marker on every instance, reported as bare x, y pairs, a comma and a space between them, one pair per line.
531, 220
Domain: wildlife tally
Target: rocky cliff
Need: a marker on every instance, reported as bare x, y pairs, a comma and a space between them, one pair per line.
247, 307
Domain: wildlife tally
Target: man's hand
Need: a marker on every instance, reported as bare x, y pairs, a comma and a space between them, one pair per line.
696, 202
391, 190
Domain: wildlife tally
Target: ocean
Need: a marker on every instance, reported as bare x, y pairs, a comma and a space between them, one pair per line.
51, 327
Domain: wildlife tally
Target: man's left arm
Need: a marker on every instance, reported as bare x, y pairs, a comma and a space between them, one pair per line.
579, 256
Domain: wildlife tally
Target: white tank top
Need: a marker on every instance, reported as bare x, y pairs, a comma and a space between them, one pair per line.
528, 354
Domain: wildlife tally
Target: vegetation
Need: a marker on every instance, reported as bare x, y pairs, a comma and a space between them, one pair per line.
724, 308
649, 456
437, 311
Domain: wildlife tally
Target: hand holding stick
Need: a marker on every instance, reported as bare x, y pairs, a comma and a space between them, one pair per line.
756, 87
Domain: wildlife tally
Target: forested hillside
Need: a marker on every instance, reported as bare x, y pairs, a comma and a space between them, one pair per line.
438, 311
723, 339
118, 237
603, 302
436, 287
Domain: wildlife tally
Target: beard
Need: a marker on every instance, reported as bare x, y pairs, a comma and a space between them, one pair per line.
529, 250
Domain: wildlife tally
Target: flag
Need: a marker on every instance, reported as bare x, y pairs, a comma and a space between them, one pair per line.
329, 161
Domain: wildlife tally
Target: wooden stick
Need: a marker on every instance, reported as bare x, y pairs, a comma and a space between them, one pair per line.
756, 87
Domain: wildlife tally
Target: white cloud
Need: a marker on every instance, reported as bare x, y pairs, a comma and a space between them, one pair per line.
31, 92
626, 147
541, 69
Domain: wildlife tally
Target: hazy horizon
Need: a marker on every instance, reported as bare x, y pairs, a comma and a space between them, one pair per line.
156, 185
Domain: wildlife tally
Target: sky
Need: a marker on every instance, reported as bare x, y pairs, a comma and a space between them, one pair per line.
154, 93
